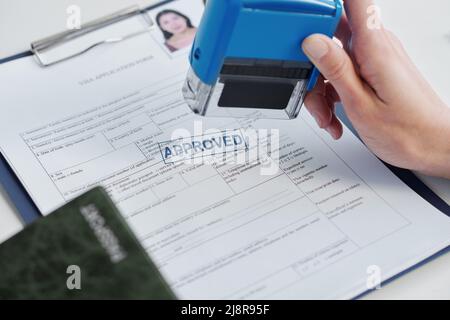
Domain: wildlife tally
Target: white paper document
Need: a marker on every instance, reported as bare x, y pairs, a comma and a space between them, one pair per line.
314, 218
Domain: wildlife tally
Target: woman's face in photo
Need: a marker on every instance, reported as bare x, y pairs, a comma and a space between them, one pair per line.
173, 23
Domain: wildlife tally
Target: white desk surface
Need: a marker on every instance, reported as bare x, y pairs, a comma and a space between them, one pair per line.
426, 36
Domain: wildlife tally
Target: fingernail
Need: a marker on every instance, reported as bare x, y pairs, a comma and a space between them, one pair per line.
315, 47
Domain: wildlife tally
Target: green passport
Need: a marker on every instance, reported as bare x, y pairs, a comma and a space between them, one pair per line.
85, 250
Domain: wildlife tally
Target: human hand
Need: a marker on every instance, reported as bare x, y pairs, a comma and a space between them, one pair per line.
393, 108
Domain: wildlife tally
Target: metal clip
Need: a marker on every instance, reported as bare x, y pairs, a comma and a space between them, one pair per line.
40, 47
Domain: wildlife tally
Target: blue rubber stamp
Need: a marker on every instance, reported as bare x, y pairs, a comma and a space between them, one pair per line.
246, 60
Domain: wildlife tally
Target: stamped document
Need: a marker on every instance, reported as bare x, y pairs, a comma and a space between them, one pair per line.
228, 208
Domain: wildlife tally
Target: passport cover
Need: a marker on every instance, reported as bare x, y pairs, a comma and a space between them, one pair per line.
85, 250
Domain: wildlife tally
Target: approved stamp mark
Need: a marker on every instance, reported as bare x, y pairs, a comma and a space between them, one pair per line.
207, 145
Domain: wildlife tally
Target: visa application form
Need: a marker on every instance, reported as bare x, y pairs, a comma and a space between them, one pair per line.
331, 222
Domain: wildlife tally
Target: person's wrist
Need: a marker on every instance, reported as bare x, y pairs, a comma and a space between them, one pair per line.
435, 157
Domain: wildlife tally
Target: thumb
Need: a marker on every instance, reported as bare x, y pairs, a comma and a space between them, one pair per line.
336, 66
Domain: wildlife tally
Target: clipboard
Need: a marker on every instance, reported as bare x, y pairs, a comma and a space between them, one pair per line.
40, 49
22, 200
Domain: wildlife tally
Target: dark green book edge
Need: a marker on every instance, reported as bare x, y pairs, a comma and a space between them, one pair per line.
85, 250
